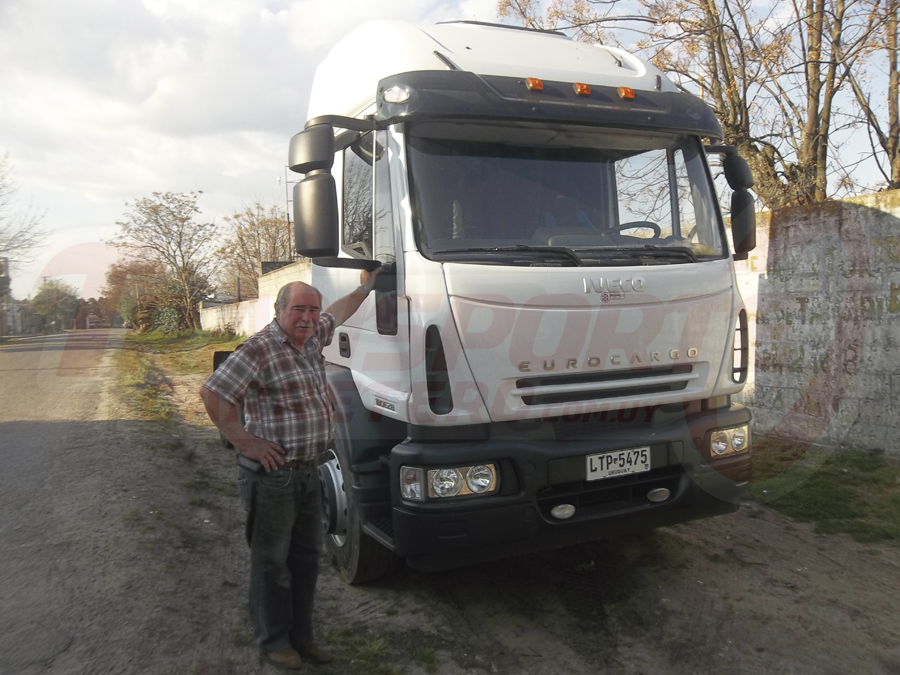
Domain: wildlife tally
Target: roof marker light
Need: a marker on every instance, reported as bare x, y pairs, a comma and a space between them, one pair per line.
534, 84
582, 89
626, 92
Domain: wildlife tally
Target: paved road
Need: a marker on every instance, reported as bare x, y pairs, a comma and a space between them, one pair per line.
50, 395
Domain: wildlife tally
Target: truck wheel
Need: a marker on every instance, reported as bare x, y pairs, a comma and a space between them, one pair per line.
358, 557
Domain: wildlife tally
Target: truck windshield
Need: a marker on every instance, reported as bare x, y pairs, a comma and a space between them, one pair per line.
539, 195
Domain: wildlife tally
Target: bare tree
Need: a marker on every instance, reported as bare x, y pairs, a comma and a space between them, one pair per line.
884, 134
163, 228
776, 78
258, 233
22, 232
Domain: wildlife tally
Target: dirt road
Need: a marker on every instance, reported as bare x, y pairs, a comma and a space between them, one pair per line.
121, 551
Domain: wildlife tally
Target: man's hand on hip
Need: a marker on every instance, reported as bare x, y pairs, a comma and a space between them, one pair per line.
265, 452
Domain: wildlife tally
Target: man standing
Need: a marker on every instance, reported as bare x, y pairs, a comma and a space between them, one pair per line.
278, 376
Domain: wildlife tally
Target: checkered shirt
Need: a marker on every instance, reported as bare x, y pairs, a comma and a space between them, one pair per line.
282, 389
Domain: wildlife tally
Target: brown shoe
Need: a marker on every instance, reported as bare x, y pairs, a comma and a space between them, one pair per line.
315, 653
286, 658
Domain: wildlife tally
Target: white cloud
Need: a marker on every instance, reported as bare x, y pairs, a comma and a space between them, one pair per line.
106, 101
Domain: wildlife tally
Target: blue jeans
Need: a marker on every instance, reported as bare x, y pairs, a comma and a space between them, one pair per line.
284, 531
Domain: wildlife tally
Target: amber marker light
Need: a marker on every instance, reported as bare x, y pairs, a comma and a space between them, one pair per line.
582, 89
534, 84
626, 93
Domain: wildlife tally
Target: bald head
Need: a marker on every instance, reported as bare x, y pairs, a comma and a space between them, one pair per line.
297, 310
281, 300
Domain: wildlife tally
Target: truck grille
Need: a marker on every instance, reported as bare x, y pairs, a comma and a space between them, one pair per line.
593, 386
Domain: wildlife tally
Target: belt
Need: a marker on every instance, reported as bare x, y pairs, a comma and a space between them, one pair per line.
299, 464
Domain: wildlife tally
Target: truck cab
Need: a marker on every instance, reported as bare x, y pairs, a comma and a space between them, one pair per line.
556, 332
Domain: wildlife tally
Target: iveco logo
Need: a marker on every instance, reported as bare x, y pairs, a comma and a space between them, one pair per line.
636, 284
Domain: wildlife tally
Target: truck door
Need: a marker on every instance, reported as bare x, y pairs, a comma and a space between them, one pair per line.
374, 343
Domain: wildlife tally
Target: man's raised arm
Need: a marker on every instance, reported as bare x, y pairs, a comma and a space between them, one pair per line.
343, 308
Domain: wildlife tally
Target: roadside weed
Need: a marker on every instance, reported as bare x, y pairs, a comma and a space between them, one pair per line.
429, 660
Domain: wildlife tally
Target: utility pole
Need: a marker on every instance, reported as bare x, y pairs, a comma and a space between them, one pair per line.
5, 282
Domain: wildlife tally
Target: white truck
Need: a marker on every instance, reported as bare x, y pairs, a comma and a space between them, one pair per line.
556, 334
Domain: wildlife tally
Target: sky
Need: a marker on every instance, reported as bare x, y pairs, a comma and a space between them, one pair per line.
107, 101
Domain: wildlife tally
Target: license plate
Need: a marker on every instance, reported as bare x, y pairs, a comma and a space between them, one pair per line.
618, 463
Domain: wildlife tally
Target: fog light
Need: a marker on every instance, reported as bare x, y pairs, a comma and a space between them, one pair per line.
719, 442
480, 479
446, 482
658, 495
562, 511
411, 479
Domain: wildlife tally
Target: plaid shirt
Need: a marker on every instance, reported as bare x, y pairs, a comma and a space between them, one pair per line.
282, 389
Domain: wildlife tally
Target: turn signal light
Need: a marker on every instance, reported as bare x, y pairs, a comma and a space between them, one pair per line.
626, 93
534, 84
582, 89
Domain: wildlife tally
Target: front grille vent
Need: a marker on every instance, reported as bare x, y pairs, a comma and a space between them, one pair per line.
592, 386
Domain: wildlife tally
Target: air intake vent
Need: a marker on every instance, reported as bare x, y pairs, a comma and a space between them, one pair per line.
436, 377
592, 386
740, 350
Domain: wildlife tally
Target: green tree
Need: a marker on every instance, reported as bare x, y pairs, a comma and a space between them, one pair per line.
164, 228
56, 301
126, 282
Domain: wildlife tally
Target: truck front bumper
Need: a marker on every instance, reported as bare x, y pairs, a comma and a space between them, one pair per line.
537, 475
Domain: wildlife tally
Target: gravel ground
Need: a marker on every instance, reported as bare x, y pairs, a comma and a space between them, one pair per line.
146, 573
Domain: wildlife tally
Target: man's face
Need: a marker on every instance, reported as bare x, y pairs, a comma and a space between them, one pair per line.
300, 318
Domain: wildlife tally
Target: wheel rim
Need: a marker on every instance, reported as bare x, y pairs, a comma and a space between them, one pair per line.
334, 499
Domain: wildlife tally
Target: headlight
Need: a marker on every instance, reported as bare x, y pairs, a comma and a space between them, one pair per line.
446, 482
729, 441
479, 479
463, 481
719, 443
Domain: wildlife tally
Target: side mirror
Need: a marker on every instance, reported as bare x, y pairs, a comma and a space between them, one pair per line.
312, 149
743, 206
316, 223
737, 171
743, 223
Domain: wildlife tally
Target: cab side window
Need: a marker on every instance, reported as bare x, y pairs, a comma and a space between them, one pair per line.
356, 211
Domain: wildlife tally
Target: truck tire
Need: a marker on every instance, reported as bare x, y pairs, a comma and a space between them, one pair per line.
358, 557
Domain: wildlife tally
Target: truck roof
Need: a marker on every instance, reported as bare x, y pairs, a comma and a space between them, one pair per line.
346, 81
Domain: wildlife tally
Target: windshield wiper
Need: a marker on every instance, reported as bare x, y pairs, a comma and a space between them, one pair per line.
647, 250
518, 248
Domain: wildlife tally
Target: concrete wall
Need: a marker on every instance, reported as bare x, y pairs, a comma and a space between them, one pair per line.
271, 282
243, 317
823, 287
251, 315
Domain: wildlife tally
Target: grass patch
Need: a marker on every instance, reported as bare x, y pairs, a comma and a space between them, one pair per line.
429, 660
845, 491
146, 360
184, 353
366, 654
